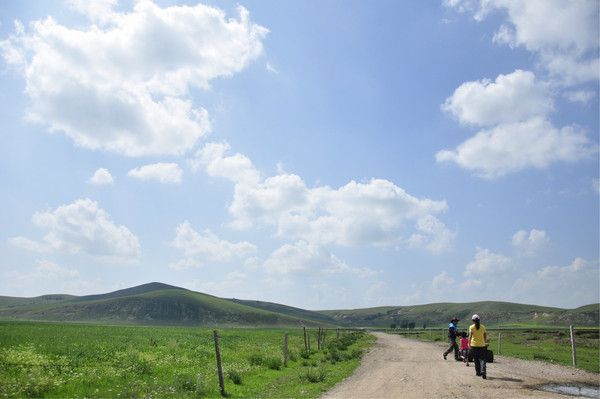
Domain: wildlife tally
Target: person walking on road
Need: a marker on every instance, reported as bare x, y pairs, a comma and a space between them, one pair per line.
452, 334
478, 342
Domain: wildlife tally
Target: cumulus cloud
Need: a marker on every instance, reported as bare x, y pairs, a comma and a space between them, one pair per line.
579, 279
101, 177
83, 228
511, 98
580, 96
45, 271
376, 212
530, 242
487, 262
206, 246
123, 85
97, 10
441, 280
29, 245
237, 168
162, 172
563, 34
303, 257
512, 147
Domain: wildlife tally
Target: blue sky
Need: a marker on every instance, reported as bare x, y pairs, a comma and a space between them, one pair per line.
334, 155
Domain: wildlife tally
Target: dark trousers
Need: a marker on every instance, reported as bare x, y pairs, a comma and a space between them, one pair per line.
479, 353
453, 346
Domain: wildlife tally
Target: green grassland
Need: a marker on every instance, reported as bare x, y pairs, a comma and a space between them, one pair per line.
76, 360
545, 344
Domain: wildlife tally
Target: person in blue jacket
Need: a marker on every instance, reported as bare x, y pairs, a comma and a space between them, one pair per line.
452, 334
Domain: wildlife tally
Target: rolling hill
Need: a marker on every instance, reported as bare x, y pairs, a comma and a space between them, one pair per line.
153, 303
493, 313
163, 304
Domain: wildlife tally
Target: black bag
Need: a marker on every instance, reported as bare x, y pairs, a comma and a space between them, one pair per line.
489, 356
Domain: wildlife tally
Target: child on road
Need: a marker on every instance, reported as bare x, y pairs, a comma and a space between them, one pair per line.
464, 348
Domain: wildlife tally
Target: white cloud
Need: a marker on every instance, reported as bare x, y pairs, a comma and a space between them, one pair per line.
573, 285
83, 227
271, 68
96, 10
29, 245
442, 280
432, 235
512, 147
373, 213
101, 177
44, 271
162, 172
529, 243
238, 168
564, 34
123, 86
487, 262
206, 246
304, 258
511, 98
580, 96
470, 284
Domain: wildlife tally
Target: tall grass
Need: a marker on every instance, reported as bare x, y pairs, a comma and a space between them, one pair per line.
75, 360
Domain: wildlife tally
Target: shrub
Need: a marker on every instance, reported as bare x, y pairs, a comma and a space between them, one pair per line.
355, 353
235, 376
274, 363
293, 356
314, 375
186, 382
256, 359
305, 354
334, 356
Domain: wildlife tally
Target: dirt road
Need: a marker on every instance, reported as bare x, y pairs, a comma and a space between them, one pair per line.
397, 367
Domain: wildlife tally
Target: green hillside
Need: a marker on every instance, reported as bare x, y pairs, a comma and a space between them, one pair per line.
438, 314
153, 303
162, 304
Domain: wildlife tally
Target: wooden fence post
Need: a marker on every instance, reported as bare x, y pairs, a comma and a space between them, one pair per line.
337, 333
499, 342
573, 346
308, 343
285, 349
305, 342
219, 366
323, 339
319, 339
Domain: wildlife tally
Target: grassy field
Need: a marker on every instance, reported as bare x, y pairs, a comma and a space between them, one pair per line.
76, 360
545, 344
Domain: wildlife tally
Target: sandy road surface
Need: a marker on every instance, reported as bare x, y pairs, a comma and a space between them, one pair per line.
397, 367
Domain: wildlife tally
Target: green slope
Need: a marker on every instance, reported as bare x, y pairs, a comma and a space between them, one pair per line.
287, 310
438, 314
162, 304
153, 303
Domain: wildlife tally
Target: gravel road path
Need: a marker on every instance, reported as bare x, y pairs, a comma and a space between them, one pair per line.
398, 367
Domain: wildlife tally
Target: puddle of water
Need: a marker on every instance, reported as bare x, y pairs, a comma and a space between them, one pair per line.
586, 391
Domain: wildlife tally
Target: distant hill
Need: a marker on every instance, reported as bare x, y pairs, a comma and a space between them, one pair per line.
163, 304
493, 313
153, 303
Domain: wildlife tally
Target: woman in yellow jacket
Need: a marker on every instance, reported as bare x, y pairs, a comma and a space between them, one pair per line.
478, 342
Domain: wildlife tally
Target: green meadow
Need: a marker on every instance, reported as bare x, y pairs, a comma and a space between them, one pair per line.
77, 360
542, 343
